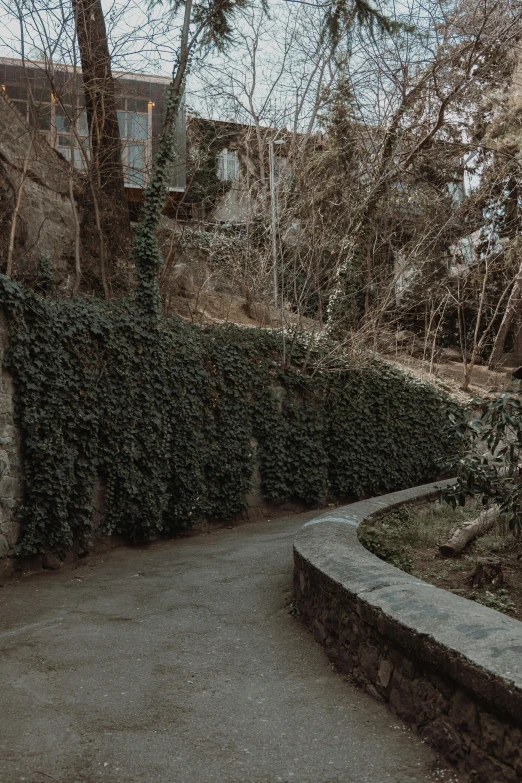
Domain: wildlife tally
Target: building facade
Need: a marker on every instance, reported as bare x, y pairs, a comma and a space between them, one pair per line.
50, 98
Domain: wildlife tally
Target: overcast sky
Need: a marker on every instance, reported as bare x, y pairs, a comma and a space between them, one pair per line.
286, 44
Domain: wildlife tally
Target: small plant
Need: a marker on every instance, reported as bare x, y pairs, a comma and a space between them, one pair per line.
500, 600
386, 540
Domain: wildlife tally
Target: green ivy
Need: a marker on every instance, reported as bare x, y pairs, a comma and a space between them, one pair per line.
206, 140
172, 419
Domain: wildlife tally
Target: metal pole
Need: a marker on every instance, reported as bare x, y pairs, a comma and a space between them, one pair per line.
271, 165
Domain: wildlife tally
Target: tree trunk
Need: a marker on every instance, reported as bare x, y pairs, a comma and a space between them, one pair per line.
106, 166
517, 340
471, 530
488, 573
146, 250
512, 308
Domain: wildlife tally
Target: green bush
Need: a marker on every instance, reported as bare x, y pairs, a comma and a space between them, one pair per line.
173, 417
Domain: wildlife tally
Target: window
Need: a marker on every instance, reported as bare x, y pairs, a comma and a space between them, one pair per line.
135, 172
134, 122
18, 95
62, 120
228, 165
71, 133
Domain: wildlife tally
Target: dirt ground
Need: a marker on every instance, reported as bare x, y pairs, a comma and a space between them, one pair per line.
449, 376
214, 308
410, 537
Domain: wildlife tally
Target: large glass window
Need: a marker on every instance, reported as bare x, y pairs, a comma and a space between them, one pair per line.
133, 119
62, 119
136, 165
71, 133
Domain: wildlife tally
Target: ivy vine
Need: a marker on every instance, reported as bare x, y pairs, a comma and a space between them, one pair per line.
171, 419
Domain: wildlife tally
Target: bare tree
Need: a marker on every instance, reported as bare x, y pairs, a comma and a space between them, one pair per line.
430, 116
105, 143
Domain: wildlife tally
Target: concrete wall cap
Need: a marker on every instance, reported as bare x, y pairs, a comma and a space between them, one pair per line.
331, 519
478, 647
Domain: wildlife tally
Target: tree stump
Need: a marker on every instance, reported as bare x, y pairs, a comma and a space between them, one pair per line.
488, 573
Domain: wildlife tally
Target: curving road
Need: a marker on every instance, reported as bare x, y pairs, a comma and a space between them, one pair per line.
180, 663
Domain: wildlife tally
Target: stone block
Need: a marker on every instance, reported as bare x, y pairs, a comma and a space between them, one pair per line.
11, 530
431, 704
9, 505
464, 714
442, 735
345, 660
492, 734
402, 700
369, 661
512, 751
13, 452
6, 403
402, 663
5, 463
488, 770
350, 633
384, 673
442, 684
10, 487
6, 384
10, 435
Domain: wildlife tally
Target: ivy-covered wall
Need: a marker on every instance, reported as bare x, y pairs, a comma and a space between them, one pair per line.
173, 419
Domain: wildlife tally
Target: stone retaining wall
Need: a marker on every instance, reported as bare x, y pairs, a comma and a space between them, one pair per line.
448, 666
32, 169
10, 463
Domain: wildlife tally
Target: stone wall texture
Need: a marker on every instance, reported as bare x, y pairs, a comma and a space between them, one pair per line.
446, 665
45, 227
10, 464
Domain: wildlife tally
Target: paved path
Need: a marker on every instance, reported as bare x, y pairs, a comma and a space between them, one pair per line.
179, 663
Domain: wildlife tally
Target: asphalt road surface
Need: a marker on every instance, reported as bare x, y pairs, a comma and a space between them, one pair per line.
180, 663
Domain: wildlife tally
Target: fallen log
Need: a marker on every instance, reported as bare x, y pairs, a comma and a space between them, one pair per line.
473, 529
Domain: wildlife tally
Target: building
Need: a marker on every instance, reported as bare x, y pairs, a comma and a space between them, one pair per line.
228, 169
51, 99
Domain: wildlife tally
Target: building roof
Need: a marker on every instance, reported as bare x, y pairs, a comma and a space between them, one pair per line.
42, 65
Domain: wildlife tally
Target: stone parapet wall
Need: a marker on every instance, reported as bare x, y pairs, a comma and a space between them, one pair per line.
10, 463
448, 666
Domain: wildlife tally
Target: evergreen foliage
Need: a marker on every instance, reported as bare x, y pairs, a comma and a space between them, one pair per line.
489, 469
173, 418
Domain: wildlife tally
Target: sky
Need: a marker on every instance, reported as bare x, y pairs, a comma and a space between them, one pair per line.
276, 68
